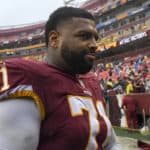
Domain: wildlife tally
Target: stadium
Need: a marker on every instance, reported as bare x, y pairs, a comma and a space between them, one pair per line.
123, 54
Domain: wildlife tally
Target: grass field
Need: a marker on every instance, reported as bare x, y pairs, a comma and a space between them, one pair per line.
135, 134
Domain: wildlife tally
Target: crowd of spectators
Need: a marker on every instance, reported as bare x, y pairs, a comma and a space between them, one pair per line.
131, 75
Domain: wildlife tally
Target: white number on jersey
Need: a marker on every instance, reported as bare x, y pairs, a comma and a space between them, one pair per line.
4, 78
77, 105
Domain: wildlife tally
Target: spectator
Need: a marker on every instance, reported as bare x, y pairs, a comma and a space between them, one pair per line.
147, 85
109, 84
129, 87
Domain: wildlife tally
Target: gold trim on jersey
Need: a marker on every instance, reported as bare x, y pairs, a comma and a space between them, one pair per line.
32, 95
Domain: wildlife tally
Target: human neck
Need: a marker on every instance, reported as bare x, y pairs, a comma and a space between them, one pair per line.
60, 64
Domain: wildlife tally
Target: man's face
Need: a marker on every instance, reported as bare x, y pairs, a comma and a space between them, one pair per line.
78, 44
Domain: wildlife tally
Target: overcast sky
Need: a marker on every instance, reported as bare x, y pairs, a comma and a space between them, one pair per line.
17, 12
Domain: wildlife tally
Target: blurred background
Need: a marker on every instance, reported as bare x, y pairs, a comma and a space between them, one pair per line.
123, 56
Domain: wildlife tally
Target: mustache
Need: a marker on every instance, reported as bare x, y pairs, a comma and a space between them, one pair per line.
89, 51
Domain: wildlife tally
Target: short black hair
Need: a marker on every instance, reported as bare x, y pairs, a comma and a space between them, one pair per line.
63, 14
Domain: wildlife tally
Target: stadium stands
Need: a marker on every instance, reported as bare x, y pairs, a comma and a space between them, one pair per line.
124, 36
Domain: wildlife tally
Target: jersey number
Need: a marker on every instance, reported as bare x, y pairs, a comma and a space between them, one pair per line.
77, 105
4, 78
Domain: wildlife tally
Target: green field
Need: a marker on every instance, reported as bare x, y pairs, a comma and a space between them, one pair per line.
132, 133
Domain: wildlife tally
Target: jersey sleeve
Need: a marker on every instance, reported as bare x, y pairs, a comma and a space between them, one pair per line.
15, 83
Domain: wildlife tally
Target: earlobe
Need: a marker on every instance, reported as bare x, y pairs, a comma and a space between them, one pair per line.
53, 39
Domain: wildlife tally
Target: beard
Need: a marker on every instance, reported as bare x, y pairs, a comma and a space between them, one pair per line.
77, 61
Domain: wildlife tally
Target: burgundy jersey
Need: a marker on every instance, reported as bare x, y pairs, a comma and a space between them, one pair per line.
72, 112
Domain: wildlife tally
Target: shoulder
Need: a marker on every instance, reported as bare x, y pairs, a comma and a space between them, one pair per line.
30, 68
19, 63
89, 75
91, 82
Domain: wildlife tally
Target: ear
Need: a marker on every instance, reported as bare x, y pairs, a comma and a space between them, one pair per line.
54, 39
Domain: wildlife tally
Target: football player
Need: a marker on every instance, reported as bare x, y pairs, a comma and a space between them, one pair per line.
49, 106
